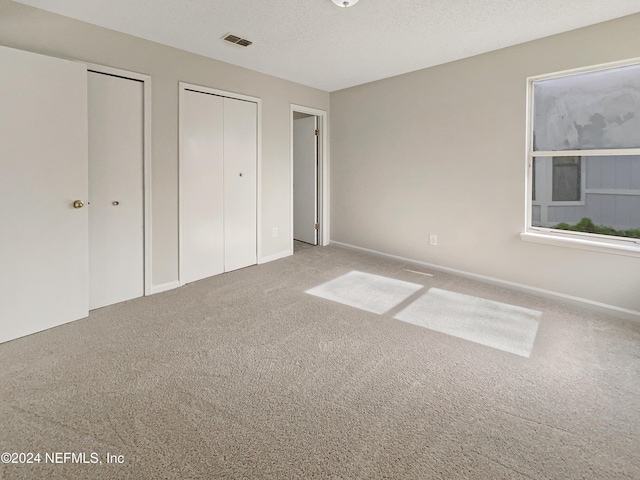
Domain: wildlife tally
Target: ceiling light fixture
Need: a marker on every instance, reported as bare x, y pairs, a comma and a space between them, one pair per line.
345, 3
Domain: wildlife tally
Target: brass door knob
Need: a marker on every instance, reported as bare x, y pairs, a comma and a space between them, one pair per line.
78, 204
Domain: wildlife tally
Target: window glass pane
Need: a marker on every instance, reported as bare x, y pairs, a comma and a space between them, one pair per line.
593, 110
566, 179
611, 194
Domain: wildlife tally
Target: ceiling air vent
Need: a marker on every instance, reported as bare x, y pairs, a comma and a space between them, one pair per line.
243, 42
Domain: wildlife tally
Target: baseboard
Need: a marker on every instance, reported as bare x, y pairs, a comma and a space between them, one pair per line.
164, 287
539, 292
276, 256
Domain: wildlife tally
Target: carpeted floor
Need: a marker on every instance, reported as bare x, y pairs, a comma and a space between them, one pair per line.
245, 376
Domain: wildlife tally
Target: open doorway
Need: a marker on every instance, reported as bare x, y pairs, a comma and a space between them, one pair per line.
305, 178
308, 171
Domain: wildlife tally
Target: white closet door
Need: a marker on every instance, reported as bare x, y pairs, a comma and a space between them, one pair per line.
116, 159
240, 155
305, 180
201, 187
43, 156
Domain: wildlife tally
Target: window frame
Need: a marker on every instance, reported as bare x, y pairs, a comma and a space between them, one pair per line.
581, 240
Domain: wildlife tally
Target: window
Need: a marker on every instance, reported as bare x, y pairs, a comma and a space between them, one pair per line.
566, 181
584, 158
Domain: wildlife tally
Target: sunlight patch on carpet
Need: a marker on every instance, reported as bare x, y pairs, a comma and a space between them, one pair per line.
499, 325
366, 291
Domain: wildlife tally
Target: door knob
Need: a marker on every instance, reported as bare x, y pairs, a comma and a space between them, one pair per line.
115, 204
78, 204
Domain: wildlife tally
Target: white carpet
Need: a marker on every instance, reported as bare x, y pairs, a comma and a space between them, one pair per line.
365, 291
499, 325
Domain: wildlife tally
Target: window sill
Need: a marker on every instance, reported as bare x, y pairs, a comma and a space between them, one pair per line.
561, 240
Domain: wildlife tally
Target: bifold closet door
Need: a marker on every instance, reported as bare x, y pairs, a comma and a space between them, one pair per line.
201, 186
217, 185
116, 162
43, 154
240, 154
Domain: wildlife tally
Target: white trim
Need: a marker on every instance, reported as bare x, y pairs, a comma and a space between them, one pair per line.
148, 238
528, 147
610, 191
539, 292
221, 93
164, 287
259, 183
586, 69
181, 91
568, 238
276, 256
323, 200
182, 87
610, 152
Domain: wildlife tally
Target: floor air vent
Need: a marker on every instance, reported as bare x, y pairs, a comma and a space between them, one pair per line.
243, 42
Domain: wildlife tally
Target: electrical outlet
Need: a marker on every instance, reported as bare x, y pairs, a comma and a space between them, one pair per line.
275, 231
433, 239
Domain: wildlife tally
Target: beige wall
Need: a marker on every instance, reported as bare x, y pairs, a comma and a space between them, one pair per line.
38, 31
442, 151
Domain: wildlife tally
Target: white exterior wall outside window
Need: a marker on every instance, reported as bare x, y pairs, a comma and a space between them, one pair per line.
583, 159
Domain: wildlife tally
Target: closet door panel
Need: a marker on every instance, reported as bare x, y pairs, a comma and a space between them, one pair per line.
201, 187
116, 157
43, 155
240, 163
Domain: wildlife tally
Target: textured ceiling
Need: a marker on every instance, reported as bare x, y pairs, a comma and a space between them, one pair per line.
315, 43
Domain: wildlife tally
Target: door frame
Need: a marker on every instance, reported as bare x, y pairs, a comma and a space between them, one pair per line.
146, 166
323, 171
305, 176
182, 87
